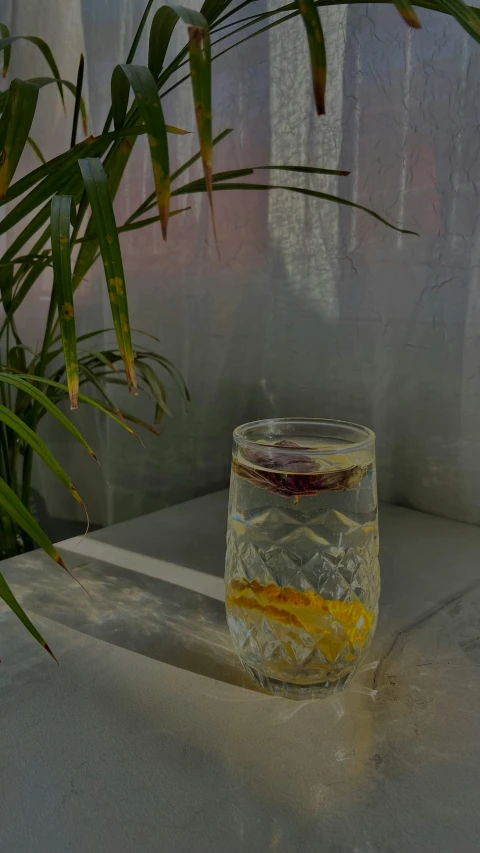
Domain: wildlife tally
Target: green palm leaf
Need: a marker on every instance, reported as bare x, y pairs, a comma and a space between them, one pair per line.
8, 597
212, 9
138, 34
15, 124
147, 204
23, 383
168, 367
47, 81
5, 44
196, 187
11, 504
7, 51
306, 170
467, 17
104, 357
36, 149
83, 398
115, 164
94, 145
62, 207
134, 420
30, 437
201, 75
316, 46
6, 284
24, 288
90, 376
53, 171
163, 24
134, 226
157, 388
96, 185
78, 103
56, 174
145, 90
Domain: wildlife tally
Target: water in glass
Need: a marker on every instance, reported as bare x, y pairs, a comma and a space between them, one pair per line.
302, 573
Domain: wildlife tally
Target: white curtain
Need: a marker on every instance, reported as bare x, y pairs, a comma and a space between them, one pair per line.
312, 309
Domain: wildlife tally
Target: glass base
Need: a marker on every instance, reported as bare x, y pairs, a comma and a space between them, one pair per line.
300, 692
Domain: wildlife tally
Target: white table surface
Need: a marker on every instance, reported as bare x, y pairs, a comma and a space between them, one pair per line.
147, 738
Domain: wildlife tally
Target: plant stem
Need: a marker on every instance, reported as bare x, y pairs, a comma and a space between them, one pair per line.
10, 545
27, 476
4, 456
7, 343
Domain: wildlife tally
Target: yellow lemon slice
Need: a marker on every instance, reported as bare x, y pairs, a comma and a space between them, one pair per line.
330, 623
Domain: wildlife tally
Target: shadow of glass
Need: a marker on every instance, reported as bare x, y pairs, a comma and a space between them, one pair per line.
152, 617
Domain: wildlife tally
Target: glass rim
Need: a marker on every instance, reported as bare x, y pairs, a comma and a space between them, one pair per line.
367, 439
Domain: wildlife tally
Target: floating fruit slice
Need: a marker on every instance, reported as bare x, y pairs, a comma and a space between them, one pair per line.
298, 484
331, 623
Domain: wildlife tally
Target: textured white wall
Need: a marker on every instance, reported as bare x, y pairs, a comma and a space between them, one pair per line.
312, 309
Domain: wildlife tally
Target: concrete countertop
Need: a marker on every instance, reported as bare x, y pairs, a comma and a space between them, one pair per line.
148, 737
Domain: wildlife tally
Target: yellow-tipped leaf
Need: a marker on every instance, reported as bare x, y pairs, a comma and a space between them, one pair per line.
145, 90
30, 437
201, 74
11, 504
8, 597
96, 185
61, 210
408, 14
316, 47
7, 51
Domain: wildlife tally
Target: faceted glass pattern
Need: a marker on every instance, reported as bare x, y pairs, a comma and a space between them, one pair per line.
302, 573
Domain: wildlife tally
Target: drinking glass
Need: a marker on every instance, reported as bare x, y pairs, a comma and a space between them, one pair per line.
302, 573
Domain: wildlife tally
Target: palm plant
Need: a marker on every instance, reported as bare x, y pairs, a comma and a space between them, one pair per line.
65, 214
